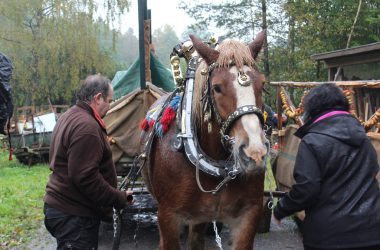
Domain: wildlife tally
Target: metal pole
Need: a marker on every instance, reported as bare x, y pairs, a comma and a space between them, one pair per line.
142, 8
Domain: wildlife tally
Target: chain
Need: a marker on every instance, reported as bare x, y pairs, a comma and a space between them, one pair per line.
138, 220
114, 216
218, 239
230, 141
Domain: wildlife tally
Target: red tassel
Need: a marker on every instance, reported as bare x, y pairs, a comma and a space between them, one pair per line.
144, 124
164, 128
10, 154
167, 118
151, 123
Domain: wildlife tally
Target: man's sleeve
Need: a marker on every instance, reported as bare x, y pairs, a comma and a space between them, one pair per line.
305, 191
84, 157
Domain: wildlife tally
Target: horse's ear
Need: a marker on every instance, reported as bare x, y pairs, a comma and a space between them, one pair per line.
210, 55
256, 45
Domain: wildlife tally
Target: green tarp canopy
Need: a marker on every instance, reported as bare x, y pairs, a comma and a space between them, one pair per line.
128, 80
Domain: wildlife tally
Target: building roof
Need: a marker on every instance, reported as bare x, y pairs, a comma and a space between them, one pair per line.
357, 55
346, 52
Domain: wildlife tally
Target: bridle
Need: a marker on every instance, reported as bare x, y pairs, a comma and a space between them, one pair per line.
208, 100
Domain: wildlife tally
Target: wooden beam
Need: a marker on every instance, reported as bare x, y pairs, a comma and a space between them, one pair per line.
354, 84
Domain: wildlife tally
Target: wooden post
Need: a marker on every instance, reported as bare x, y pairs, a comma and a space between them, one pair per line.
279, 108
147, 28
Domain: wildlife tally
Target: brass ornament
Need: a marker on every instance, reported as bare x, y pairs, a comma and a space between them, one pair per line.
244, 79
176, 70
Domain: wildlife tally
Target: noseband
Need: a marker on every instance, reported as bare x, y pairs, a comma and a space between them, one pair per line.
226, 125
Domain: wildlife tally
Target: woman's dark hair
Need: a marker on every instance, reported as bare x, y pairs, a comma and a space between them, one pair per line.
323, 98
92, 85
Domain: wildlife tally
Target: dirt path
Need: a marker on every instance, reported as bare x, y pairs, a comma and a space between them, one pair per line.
285, 236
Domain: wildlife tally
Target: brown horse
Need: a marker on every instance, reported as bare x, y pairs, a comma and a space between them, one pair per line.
228, 84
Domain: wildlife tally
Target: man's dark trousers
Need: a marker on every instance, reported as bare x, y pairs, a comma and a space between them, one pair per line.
72, 232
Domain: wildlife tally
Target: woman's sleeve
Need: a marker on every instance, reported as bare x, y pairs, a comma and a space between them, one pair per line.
304, 193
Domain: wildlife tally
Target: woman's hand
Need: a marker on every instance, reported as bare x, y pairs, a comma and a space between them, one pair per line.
277, 221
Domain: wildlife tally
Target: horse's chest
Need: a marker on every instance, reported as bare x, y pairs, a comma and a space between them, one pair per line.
223, 206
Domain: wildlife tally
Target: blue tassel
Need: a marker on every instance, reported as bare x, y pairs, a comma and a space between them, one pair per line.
159, 130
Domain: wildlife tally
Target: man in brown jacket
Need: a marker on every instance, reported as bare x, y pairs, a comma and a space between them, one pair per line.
82, 189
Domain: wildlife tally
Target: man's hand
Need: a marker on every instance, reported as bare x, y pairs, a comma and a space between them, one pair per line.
129, 197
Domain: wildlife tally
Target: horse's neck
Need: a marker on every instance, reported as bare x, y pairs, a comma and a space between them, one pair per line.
211, 142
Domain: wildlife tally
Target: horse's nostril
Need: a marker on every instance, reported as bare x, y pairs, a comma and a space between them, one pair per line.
252, 153
242, 152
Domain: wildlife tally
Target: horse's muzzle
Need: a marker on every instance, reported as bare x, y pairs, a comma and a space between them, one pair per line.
250, 158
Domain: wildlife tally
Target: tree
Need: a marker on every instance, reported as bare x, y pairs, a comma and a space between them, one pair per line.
320, 26
164, 39
296, 29
128, 47
53, 45
239, 20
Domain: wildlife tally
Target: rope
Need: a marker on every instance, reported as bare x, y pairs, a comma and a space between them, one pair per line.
213, 191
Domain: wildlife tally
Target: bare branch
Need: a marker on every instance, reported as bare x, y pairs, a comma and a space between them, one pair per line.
10, 40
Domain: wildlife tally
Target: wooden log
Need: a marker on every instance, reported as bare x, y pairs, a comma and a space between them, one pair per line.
147, 27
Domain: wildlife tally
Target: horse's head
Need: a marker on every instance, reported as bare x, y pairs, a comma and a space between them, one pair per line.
232, 89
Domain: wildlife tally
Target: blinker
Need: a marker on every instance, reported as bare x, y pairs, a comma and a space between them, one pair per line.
244, 79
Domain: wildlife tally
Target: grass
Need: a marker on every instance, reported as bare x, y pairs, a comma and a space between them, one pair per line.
21, 192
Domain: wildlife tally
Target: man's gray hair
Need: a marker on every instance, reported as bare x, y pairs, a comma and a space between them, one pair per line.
92, 85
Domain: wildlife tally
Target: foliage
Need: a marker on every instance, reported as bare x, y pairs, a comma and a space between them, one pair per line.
127, 48
54, 45
238, 19
21, 193
164, 39
296, 30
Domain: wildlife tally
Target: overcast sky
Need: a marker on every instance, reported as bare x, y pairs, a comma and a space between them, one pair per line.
163, 12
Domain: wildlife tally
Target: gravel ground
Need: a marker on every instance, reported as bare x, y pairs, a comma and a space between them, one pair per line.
286, 236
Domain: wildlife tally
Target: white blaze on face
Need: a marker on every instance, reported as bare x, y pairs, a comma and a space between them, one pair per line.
251, 123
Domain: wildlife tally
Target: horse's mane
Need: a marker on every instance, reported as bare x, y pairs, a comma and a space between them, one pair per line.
230, 51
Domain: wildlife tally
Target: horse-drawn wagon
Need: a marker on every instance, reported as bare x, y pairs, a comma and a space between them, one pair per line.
31, 131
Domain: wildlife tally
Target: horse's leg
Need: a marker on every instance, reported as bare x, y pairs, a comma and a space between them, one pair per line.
196, 239
169, 230
244, 230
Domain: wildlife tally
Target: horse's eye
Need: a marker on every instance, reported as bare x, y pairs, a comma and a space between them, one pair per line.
217, 88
